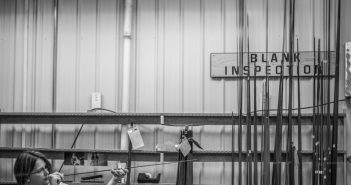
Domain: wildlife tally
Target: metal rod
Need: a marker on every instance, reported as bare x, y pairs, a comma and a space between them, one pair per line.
303, 108
129, 160
314, 126
232, 154
266, 164
54, 67
314, 139
336, 106
328, 121
318, 146
54, 73
241, 50
299, 137
276, 180
290, 165
133, 167
248, 108
262, 136
74, 142
255, 158
322, 112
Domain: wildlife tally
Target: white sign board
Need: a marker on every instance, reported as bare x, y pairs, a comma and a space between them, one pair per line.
227, 64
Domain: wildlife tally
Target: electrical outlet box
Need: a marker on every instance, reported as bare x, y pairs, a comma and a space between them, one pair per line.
95, 100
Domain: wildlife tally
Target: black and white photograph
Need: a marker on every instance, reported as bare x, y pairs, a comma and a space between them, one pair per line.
175, 92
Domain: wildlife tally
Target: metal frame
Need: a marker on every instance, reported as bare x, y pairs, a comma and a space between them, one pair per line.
173, 119
180, 119
151, 156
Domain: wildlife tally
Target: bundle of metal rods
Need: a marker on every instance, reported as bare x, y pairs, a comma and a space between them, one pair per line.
324, 129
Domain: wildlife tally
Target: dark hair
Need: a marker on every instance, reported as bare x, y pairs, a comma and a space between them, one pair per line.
25, 163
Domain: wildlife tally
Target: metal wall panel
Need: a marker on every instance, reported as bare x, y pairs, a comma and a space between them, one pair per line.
89, 54
173, 40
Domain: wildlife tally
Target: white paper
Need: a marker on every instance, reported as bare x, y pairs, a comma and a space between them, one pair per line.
135, 137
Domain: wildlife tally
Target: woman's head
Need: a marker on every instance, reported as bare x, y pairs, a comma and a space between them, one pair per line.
32, 168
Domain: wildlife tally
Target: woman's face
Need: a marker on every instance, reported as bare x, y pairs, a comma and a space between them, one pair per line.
40, 174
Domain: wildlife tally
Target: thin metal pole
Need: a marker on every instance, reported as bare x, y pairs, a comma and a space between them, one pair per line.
241, 50
248, 114
54, 72
232, 159
266, 168
300, 175
129, 160
314, 129
336, 105
290, 165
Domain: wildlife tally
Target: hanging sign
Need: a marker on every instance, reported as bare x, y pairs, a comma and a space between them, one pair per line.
225, 65
135, 137
185, 147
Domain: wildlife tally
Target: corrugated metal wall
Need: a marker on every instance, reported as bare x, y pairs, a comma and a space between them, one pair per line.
172, 42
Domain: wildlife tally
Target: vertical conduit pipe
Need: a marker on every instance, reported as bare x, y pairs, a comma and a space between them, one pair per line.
126, 65
127, 33
54, 72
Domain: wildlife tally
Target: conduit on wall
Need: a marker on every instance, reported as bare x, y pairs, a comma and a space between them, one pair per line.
126, 67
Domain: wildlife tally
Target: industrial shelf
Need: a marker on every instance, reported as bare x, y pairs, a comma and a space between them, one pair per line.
139, 118
174, 119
